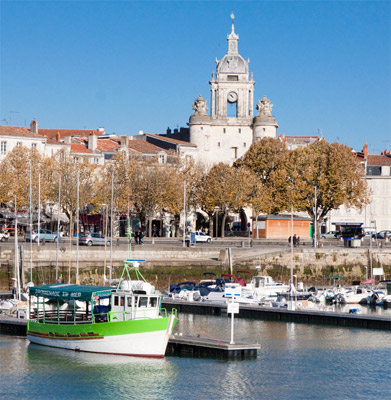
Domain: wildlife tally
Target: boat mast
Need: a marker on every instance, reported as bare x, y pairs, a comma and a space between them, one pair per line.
16, 260
58, 224
77, 231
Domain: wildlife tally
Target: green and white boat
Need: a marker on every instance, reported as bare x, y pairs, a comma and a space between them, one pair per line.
126, 320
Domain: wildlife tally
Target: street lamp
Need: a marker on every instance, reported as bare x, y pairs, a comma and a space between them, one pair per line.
217, 220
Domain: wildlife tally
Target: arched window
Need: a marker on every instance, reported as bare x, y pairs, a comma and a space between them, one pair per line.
232, 109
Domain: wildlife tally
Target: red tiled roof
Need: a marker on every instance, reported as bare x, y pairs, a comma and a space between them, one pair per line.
144, 147
18, 131
378, 160
107, 145
54, 133
166, 139
79, 148
299, 139
51, 141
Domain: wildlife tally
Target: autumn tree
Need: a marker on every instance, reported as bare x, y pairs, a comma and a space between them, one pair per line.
70, 170
227, 188
15, 177
333, 169
263, 159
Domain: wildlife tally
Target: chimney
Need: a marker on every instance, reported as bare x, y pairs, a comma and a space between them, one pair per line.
92, 143
124, 141
34, 126
58, 136
365, 150
67, 139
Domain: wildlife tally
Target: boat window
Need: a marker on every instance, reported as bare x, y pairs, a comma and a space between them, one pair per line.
129, 301
143, 301
122, 301
153, 301
116, 301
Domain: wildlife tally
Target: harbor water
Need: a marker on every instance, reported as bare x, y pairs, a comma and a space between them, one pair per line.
296, 361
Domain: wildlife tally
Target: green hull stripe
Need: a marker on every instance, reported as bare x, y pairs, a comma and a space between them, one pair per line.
103, 328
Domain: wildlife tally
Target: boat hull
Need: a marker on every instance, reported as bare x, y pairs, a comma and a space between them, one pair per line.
139, 338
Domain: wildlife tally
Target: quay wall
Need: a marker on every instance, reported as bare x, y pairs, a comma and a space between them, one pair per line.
170, 264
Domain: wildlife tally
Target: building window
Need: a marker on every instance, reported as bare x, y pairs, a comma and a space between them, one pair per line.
218, 144
224, 130
232, 78
162, 159
234, 152
264, 129
202, 128
244, 144
373, 170
33, 145
18, 143
240, 131
206, 143
3, 148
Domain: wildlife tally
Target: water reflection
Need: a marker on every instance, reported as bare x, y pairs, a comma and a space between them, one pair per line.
296, 361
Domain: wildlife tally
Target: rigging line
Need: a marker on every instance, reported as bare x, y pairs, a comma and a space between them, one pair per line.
199, 330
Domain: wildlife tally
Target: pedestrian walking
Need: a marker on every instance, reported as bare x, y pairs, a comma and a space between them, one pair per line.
294, 240
136, 237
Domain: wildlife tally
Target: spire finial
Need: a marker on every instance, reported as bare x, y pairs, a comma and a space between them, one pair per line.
232, 18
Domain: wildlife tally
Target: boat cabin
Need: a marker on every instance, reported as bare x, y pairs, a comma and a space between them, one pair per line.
84, 304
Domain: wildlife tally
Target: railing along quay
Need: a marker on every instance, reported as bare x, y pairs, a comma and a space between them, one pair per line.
364, 321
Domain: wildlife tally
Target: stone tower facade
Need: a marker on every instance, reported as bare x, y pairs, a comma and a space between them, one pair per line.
227, 132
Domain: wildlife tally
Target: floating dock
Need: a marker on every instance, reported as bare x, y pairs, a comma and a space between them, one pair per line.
205, 347
307, 316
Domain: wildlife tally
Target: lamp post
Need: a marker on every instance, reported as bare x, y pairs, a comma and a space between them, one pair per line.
217, 220
370, 258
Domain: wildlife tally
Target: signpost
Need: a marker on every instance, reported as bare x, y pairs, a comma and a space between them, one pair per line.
232, 291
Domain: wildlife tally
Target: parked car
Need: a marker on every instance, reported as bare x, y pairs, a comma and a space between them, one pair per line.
93, 239
330, 235
44, 234
382, 235
4, 236
200, 237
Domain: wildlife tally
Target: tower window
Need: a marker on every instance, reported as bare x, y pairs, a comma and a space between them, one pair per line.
232, 110
240, 131
218, 144
224, 130
233, 78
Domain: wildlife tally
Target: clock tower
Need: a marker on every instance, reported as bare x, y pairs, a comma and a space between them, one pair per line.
227, 132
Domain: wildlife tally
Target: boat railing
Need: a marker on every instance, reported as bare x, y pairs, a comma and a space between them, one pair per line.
61, 317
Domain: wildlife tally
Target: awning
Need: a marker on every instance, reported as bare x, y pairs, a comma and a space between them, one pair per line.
68, 292
62, 217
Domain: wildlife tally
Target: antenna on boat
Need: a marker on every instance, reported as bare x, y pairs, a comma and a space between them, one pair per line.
128, 265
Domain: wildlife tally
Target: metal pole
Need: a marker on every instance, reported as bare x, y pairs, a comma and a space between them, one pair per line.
184, 214
16, 261
58, 223
77, 231
39, 206
315, 221
291, 291
31, 230
111, 225
232, 324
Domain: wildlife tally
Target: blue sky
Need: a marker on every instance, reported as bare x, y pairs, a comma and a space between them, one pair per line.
138, 65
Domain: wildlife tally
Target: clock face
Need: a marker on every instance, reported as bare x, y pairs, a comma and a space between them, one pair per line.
232, 97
